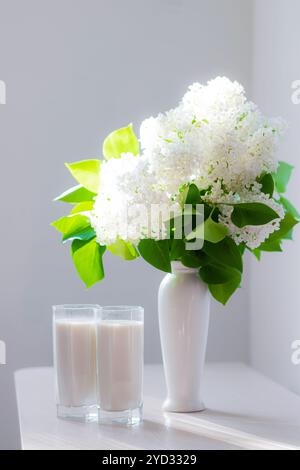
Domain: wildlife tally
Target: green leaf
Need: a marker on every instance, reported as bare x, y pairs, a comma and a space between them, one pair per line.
223, 292
76, 194
177, 249
212, 231
242, 248
120, 141
286, 224
225, 252
87, 173
84, 234
289, 207
267, 183
219, 274
193, 195
156, 253
252, 213
257, 253
194, 259
82, 207
183, 190
282, 176
271, 246
87, 257
123, 249
71, 224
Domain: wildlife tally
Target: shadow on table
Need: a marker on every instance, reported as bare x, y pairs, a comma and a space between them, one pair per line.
233, 429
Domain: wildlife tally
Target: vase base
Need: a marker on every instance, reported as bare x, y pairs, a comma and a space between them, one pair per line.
183, 408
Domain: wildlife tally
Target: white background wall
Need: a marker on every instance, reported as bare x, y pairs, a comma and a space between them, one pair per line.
275, 281
76, 69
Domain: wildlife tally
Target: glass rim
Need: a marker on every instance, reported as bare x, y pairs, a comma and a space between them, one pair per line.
76, 307
121, 308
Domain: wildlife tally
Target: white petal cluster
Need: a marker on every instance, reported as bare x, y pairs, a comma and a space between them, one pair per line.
252, 235
214, 134
130, 204
214, 138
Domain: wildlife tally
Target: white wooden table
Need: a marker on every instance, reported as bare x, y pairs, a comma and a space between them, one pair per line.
245, 410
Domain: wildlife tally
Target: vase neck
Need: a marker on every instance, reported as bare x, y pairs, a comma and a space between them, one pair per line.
179, 268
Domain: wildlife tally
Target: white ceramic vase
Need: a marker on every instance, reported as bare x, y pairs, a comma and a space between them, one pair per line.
183, 307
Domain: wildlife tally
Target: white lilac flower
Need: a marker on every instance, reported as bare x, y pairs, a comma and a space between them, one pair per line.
252, 235
129, 202
215, 138
214, 134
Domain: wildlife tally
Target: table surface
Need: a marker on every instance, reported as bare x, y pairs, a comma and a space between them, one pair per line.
245, 410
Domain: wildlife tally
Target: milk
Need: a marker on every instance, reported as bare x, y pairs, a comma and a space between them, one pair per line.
75, 361
120, 352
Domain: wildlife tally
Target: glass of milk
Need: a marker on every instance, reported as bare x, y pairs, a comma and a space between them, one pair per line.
120, 361
74, 347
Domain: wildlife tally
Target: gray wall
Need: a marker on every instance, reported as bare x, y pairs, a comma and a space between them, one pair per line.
75, 70
275, 301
